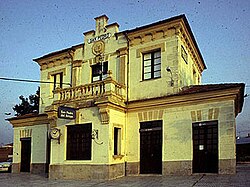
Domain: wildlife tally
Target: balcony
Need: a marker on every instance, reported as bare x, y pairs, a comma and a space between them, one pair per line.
105, 90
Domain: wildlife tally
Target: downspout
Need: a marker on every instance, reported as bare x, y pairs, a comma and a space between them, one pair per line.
127, 98
70, 52
126, 36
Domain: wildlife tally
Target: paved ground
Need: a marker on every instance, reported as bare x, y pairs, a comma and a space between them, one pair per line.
241, 179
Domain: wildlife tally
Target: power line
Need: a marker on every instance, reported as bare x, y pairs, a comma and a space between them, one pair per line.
27, 80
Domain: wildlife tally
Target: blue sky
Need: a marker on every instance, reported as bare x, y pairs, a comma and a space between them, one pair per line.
32, 28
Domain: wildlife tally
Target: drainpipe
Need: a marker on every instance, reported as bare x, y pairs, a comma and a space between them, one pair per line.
70, 52
127, 98
126, 36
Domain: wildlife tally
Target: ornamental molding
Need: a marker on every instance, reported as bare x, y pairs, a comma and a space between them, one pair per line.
152, 34
99, 59
77, 63
33, 120
161, 46
98, 48
189, 45
55, 63
63, 70
150, 115
104, 112
26, 133
207, 114
122, 51
186, 100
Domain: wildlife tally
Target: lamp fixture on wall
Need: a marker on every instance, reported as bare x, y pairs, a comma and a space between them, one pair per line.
94, 135
168, 69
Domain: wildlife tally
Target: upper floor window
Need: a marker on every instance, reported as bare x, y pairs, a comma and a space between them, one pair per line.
152, 65
99, 71
57, 80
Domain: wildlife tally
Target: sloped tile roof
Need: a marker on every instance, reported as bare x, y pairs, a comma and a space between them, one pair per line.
208, 87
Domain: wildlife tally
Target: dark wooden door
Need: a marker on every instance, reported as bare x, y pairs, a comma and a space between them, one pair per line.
151, 147
25, 154
205, 147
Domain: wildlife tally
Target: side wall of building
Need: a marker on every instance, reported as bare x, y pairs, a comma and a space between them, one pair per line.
38, 158
103, 163
177, 145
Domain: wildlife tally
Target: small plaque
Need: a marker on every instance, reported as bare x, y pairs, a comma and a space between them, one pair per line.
66, 112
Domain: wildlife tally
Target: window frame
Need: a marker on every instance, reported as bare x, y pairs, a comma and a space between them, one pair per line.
152, 64
117, 141
82, 150
103, 71
55, 83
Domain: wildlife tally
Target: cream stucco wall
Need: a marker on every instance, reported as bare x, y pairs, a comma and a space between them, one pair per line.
186, 70
117, 119
99, 152
177, 130
140, 89
38, 135
46, 94
103, 148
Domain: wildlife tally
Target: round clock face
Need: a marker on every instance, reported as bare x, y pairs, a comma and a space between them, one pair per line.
54, 133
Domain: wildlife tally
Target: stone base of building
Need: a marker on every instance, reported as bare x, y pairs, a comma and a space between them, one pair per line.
168, 168
132, 168
87, 172
177, 167
15, 168
227, 166
38, 168
35, 168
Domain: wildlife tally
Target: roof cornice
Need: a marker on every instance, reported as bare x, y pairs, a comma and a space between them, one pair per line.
234, 93
29, 120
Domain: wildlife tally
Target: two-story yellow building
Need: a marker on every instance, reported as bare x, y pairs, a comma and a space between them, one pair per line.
128, 103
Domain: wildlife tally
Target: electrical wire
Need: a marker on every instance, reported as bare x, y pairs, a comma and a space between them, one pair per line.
27, 80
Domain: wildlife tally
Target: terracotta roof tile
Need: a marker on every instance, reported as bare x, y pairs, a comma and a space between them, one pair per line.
208, 87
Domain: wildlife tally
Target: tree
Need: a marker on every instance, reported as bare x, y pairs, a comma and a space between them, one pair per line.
28, 105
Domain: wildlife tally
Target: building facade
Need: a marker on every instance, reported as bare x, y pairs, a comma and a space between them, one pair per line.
128, 103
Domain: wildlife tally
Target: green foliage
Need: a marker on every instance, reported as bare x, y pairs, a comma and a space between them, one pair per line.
28, 105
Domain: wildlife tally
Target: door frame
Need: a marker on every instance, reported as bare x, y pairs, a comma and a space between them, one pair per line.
151, 127
25, 161
205, 147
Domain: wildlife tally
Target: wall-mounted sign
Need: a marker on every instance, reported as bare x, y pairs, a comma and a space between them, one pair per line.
201, 147
66, 112
98, 38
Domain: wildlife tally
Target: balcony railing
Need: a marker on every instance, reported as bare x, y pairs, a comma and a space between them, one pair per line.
108, 87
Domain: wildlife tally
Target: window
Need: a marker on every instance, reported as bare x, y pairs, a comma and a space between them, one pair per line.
99, 71
117, 141
79, 142
152, 65
58, 80
184, 54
